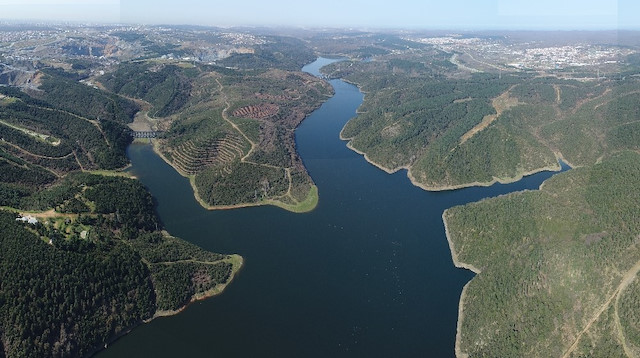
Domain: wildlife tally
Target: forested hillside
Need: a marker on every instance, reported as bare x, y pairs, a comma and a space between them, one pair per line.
63, 90
94, 268
83, 257
286, 53
167, 88
453, 130
61, 141
557, 268
94, 263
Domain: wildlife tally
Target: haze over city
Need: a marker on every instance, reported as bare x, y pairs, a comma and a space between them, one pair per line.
458, 14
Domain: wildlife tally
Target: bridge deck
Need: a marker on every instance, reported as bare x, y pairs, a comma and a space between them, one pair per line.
145, 134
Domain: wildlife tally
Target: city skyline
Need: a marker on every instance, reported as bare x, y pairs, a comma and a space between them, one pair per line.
455, 14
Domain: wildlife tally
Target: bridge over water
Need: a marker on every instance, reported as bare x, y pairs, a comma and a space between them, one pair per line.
145, 134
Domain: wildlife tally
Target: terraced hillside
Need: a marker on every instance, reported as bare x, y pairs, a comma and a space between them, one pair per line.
256, 112
193, 156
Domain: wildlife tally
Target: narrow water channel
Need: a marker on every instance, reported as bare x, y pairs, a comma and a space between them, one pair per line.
368, 273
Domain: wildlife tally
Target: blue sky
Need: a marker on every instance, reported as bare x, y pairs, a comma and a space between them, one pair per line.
445, 14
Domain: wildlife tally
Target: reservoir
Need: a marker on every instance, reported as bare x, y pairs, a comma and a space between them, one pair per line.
368, 273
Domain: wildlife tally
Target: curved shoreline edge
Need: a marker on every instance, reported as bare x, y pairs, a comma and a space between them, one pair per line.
458, 350
305, 206
454, 254
457, 263
237, 263
550, 168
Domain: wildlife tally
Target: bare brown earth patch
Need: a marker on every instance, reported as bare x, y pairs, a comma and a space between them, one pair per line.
37, 79
392, 131
594, 238
501, 103
463, 100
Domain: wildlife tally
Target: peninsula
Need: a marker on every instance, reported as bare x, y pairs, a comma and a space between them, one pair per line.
229, 129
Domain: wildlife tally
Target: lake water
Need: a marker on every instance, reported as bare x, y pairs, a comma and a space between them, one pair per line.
368, 273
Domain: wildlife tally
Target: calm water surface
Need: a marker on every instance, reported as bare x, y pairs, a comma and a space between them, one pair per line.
368, 273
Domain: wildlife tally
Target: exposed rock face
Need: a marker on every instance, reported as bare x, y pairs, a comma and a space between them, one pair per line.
11, 76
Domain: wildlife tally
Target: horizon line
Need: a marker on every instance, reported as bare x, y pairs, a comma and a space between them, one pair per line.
314, 27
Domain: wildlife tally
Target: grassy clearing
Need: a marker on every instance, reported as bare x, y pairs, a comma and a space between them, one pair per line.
142, 140
5, 100
44, 138
305, 206
111, 173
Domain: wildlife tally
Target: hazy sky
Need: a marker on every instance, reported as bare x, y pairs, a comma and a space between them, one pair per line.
448, 14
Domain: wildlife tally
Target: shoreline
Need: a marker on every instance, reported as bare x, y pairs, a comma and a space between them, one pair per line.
556, 167
279, 204
290, 208
370, 161
377, 165
235, 260
519, 176
458, 349
454, 254
459, 264
549, 168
